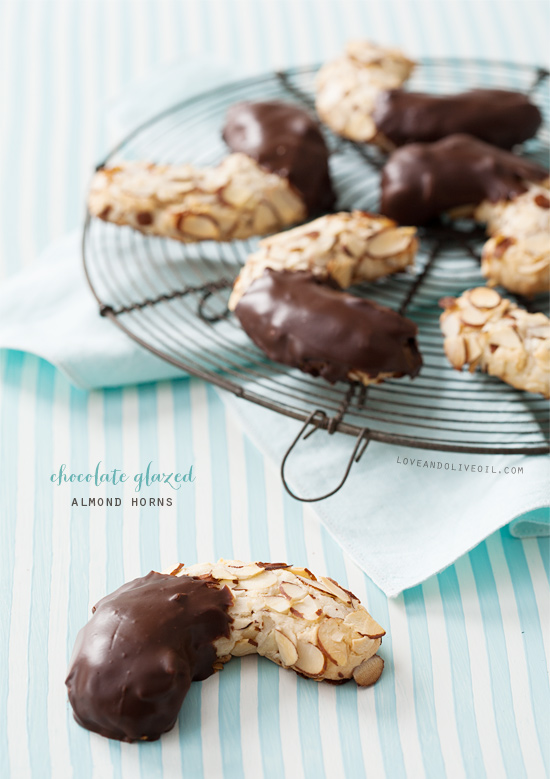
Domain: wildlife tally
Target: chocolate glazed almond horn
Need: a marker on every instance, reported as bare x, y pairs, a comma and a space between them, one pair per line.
235, 200
346, 247
134, 661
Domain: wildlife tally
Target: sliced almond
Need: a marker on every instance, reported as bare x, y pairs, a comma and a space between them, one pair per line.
335, 589
455, 349
278, 603
308, 608
474, 317
450, 325
245, 571
292, 591
541, 331
369, 671
311, 660
335, 650
365, 646
506, 337
364, 624
199, 227
391, 241
483, 297
243, 648
287, 650
263, 581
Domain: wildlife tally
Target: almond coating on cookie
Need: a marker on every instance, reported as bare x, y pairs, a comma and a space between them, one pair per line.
517, 256
299, 621
484, 330
347, 87
235, 200
345, 247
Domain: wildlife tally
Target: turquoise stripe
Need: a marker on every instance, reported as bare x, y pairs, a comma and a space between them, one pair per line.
457, 641
424, 702
229, 696
73, 206
11, 381
37, 701
77, 607
498, 662
544, 549
346, 695
532, 639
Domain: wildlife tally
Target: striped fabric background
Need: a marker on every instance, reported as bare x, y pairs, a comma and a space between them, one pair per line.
465, 691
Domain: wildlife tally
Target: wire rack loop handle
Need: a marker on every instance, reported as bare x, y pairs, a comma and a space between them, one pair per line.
319, 419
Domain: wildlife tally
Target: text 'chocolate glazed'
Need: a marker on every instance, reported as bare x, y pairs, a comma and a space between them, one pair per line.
134, 661
423, 180
308, 324
496, 116
286, 140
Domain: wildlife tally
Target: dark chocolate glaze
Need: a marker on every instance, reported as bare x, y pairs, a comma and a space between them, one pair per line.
496, 116
134, 661
311, 325
286, 140
422, 180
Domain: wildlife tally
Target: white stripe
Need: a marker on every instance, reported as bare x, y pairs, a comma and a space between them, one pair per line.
204, 486
275, 514
168, 515
442, 680
328, 716
238, 494
366, 706
99, 747
517, 660
132, 465
18, 664
59, 582
479, 666
404, 688
540, 588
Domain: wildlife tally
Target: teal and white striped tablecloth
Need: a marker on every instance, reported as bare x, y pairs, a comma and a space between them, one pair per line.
465, 689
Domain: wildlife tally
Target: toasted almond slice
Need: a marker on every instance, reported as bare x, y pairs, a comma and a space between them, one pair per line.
303, 572
311, 660
315, 584
363, 623
199, 227
455, 349
362, 646
245, 571
287, 650
542, 331
507, 337
391, 241
220, 571
484, 297
450, 326
243, 647
369, 671
308, 608
292, 591
474, 317
277, 603
335, 589
263, 581
335, 650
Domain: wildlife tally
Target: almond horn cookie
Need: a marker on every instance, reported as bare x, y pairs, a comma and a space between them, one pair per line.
484, 330
517, 256
345, 247
347, 88
308, 624
133, 663
235, 200
308, 323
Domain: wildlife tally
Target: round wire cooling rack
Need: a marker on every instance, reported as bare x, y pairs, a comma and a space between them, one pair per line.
172, 298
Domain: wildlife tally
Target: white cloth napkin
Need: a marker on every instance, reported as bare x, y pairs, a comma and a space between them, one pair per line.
400, 521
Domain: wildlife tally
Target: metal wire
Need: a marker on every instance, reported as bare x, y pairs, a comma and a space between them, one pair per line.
172, 298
